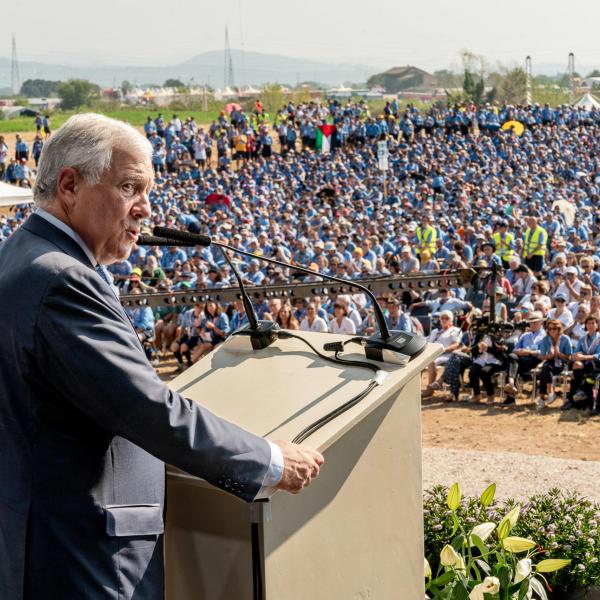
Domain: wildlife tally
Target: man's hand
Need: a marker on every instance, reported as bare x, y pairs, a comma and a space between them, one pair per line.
300, 466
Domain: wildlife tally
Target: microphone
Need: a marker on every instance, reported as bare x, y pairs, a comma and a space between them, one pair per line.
262, 333
151, 240
187, 238
396, 347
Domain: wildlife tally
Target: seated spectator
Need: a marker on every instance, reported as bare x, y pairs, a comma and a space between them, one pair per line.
449, 337
555, 352
488, 359
213, 329
285, 319
525, 355
312, 322
340, 322
560, 311
586, 360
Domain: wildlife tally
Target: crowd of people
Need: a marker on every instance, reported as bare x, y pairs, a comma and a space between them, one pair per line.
460, 191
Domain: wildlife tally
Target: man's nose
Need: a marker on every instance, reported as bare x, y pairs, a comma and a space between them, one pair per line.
141, 209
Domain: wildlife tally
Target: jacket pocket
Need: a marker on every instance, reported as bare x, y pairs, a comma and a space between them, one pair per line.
124, 520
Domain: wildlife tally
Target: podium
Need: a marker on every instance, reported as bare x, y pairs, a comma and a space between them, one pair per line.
355, 533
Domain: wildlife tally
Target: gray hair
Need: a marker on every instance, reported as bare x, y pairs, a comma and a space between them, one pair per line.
85, 142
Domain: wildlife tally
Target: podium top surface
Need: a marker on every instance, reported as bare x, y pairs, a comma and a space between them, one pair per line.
278, 391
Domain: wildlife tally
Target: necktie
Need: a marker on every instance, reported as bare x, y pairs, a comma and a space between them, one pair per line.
100, 270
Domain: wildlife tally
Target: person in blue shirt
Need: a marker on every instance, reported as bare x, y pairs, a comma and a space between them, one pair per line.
170, 258
21, 149
36, 150
525, 355
395, 318
555, 351
213, 330
149, 127
586, 360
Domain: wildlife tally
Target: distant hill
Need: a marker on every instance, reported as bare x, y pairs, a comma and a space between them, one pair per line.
249, 68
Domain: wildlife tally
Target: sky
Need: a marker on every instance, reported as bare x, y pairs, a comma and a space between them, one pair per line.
430, 35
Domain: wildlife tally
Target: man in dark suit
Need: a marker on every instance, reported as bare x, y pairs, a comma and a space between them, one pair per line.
85, 423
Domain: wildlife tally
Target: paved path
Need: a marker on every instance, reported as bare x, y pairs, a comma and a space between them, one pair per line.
516, 475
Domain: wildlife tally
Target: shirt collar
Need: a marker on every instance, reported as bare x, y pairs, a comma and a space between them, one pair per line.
69, 231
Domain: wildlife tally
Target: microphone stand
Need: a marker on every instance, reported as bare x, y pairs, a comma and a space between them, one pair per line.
262, 333
396, 346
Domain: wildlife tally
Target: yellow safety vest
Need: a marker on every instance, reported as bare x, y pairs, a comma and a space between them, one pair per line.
427, 239
532, 238
503, 249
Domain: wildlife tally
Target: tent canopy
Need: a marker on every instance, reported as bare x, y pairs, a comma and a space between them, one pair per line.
588, 102
11, 195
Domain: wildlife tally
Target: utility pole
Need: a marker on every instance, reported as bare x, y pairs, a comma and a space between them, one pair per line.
528, 91
571, 72
228, 66
15, 78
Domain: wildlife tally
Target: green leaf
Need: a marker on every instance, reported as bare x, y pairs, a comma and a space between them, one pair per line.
488, 495
523, 589
454, 497
458, 543
550, 565
459, 593
538, 588
444, 578
455, 526
504, 577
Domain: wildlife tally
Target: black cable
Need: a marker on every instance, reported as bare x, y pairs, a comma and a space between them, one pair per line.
307, 431
310, 429
284, 334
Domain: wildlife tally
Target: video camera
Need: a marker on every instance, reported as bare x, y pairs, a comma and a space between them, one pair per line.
496, 330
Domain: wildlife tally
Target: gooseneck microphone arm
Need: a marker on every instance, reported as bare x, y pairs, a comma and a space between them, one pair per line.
185, 238
250, 312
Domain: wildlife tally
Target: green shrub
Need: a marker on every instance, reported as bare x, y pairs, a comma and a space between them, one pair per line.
564, 524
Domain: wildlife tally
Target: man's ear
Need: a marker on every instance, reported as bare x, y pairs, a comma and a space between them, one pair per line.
68, 185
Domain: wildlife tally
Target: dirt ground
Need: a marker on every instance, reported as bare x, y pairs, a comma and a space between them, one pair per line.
517, 428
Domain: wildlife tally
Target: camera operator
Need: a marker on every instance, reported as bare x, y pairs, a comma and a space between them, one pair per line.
489, 356
525, 355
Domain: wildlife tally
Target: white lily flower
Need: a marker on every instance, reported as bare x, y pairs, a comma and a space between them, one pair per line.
483, 531
523, 569
490, 585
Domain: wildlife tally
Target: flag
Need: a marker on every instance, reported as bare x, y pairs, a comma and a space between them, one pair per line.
324, 133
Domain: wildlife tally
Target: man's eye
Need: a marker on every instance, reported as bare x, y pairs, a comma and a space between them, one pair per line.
128, 189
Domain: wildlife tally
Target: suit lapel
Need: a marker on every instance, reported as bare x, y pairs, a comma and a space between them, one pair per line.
39, 226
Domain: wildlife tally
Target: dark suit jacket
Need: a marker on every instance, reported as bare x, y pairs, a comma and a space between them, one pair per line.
85, 425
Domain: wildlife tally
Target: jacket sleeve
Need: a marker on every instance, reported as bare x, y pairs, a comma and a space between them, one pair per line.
91, 355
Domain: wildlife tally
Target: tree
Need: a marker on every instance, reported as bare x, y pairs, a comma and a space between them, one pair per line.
77, 92
272, 97
594, 73
513, 86
126, 87
174, 83
39, 88
474, 90
446, 78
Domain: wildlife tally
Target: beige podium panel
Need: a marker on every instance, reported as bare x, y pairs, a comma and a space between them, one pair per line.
356, 532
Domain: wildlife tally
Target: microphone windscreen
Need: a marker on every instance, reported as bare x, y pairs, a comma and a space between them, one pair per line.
184, 237
151, 240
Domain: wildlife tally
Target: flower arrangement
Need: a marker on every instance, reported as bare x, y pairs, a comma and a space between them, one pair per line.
565, 525
484, 561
